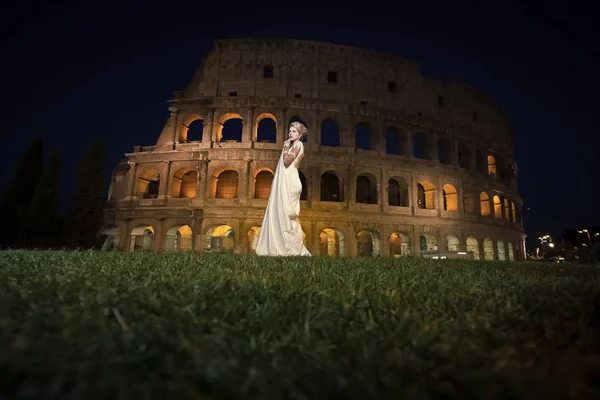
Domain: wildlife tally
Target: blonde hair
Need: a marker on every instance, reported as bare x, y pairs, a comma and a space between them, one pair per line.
299, 127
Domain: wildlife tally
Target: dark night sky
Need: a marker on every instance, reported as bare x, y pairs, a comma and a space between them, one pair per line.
73, 72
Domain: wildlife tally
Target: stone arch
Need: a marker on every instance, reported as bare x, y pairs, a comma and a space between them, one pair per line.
488, 249
224, 183
112, 238
452, 243
179, 238
331, 189
262, 184
366, 188
394, 141
421, 145
501, 251
331, 242
148, 184
497, 207
400, 244
484, 204
265, 128
473, 246
295, 118
367, 243
491, 165
230, 127
184, 183
398, 193
142, 238
191, 128
428, 242
426, 195
444, 151
220, 238
330, 133
450, 198
363, 136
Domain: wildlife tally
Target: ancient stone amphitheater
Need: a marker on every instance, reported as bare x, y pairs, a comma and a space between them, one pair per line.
396, 163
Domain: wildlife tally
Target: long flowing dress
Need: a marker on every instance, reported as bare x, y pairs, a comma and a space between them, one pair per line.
281, 233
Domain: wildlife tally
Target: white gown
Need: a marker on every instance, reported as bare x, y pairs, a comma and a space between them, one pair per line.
281, 233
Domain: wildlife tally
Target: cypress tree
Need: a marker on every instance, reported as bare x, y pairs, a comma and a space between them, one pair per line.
40, 227
83, 219
20, 192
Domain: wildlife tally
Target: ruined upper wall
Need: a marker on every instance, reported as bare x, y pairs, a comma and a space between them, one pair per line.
336, 73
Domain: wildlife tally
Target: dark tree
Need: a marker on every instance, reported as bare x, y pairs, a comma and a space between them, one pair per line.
40, 225
20, 192
83, 220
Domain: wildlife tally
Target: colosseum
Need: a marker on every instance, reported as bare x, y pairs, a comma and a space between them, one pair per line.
397, 163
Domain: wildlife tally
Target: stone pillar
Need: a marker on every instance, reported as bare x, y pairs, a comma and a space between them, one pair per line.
176, 126
316, 184
159, 236
131, 180
207, 132
416, 239
244, 182
282, 127
315, 240
165, 180
248, 125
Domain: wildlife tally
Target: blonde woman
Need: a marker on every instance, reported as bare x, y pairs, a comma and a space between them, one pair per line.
281, 233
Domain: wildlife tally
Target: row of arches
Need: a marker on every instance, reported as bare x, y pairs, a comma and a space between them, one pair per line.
331, 242
396, 141
225, 186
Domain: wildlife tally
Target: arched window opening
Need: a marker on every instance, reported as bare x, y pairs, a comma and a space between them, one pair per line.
330, 133
426, 195
491, 164
148, 184
394, 141
420, 146
362, 136
227, 183
330, 188
266, 130
262, 184
398, 192
497, 207
484, 200
366, 190
444, 151
473, 246
450, 198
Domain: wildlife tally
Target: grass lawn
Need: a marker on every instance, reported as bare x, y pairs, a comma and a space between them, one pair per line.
88, 325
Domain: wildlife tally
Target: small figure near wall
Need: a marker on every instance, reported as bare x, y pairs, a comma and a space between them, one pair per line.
281, 232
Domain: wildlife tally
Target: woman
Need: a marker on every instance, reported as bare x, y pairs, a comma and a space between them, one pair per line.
281, 233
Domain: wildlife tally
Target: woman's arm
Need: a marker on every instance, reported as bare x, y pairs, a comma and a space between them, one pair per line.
288, 158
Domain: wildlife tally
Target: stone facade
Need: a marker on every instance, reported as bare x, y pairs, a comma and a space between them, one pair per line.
396, 163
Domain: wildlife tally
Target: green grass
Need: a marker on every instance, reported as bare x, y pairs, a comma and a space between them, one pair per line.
88, 325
